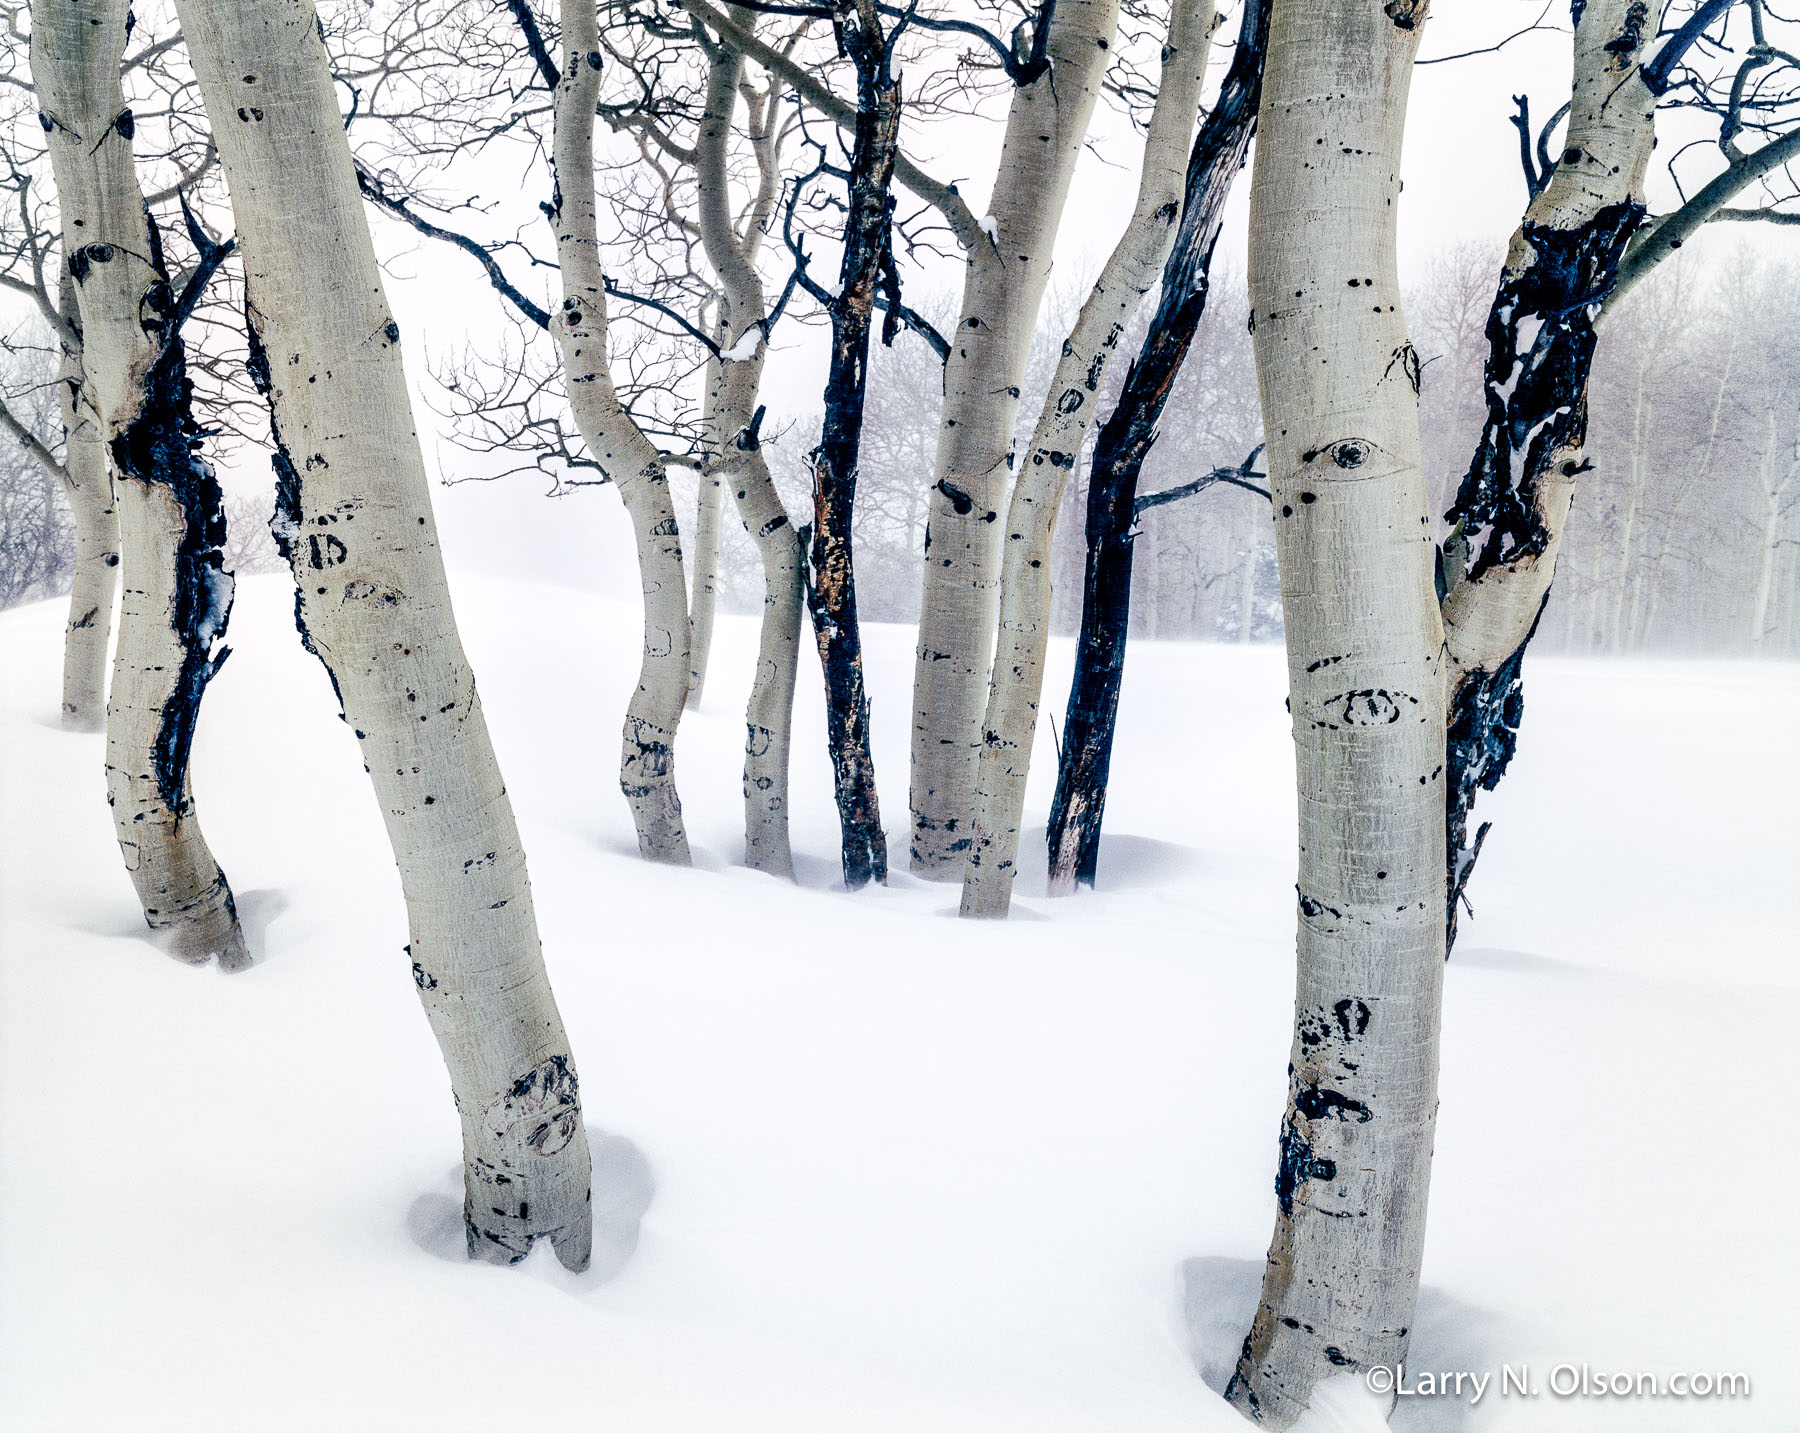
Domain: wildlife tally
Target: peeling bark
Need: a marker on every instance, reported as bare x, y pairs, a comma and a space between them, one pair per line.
1002, 291
868, 262
177, 597
1023, 631
1513, 505
618, 445
354, 520
1123, 444
1366, 690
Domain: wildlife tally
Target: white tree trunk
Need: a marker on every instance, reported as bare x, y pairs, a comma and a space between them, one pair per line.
703, 602
618, 445
87, 482
1777, 478
736, 458
1365, 675
1023, 631
176, 596
1001, 295
354, 519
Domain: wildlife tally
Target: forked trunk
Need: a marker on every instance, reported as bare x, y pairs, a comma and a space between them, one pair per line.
177, 596
1001, 295
354, 520
1365, 679
1023, 630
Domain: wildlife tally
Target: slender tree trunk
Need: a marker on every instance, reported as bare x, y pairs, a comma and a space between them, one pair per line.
1125, 438
1247, 594
736, 459
177, 597
704, 605
1513, 505
618, 445
87, 483
1773, 493
867, 263
1366, 689
1002, 292
354, 520
1023, 632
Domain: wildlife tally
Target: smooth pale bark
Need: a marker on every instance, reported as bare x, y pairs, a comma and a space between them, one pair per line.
1002, 291
1777, 477
354, 519
177, 597
1513, 506
1365, 676
87, 483
624, 453
735, 458
1023, 631
703, 604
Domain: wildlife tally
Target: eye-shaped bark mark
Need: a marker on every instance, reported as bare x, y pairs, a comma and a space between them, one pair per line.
542, 1109
81, 262
960, 502
1368, 706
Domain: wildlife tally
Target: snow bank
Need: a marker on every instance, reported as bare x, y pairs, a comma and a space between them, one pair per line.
861, 1166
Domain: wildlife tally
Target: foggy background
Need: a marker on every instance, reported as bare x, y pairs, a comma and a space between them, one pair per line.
1685, 536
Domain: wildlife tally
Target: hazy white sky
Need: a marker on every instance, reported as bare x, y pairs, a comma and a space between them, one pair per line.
1461, 170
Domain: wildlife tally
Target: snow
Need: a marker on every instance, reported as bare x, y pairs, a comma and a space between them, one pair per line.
745, 348
859, 1165
991, 227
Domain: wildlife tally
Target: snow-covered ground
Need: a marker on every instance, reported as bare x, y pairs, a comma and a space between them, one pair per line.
892, 1170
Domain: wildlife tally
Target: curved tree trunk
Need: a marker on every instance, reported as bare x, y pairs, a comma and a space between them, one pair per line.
736, 458
177, 596
354, 519
618, 445
1001, 296
1124, 442
1513, 505
1365, 674
87, 482
1023, 631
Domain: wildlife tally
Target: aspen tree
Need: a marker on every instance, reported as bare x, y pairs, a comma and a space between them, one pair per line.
1023, 630
177, 596
1337, 378
355, 523
1008, 268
